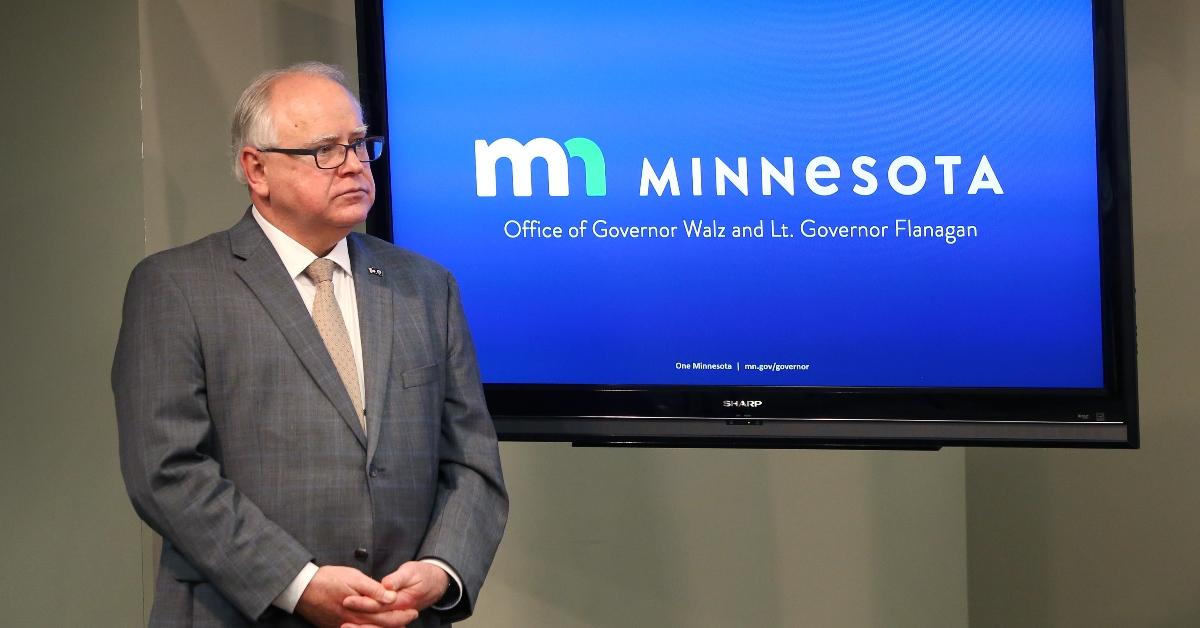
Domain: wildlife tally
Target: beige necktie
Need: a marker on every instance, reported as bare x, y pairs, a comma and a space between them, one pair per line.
328, 317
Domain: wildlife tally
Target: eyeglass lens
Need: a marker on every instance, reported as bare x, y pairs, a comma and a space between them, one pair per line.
334, 155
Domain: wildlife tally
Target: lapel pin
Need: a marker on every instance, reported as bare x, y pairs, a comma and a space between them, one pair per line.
375, 271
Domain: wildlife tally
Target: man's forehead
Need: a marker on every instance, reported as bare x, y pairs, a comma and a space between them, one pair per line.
308, 108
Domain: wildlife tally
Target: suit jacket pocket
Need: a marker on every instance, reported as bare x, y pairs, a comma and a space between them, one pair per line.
421, 375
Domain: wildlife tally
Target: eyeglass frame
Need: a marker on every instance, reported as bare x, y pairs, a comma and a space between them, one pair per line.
312, 152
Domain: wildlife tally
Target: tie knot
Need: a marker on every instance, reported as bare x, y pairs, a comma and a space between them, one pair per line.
321, 270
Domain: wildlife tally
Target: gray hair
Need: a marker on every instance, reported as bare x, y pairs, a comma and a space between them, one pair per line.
252, 121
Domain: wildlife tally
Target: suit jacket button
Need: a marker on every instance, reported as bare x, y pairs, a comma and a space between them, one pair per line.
373, 472
361, 553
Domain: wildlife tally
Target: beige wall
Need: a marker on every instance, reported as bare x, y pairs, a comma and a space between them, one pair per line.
71, 180
604, 537
1108, 538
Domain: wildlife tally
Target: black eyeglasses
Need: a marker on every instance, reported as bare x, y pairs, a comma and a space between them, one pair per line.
330, 156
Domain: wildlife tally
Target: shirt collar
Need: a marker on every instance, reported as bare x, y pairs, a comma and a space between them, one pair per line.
295, 256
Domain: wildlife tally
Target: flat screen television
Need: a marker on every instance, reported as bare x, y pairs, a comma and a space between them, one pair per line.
772, 224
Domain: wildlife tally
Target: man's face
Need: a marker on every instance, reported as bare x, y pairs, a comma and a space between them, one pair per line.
309, 111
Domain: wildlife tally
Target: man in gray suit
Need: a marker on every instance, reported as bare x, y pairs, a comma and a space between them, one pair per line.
299, 406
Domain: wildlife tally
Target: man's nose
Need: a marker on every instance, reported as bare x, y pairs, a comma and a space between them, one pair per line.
352, 165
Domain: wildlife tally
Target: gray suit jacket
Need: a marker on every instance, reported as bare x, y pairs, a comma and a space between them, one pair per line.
240, 446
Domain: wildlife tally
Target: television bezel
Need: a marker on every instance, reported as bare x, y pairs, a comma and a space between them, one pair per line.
850, 417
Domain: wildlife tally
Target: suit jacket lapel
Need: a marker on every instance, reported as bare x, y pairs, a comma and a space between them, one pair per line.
266, 276
374, 297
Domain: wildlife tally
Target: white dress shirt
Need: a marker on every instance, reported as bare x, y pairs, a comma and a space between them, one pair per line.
296, 258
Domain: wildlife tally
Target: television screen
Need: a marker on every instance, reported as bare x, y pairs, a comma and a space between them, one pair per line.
771, 222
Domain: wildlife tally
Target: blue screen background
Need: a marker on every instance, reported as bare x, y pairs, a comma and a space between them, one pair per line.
1017, 306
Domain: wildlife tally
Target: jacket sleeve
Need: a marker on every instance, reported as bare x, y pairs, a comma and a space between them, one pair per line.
471, 506
167, 441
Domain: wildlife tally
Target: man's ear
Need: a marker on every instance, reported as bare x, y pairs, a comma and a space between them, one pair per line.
255, 169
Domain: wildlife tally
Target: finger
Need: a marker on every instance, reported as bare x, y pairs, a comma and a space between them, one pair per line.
363, 604
366, 620
360, 622
402, 622
399, 579
394, 618
365, 586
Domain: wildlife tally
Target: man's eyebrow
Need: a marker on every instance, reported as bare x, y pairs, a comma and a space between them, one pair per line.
326, 139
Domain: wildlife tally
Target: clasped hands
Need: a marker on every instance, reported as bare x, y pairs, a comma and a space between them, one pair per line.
344, 597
